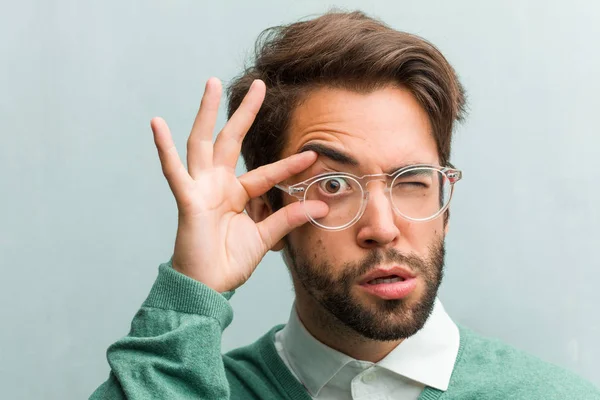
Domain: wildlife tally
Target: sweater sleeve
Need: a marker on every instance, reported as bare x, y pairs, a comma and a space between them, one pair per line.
173, 350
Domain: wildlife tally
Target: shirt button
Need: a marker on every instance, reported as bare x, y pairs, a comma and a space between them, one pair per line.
369, 377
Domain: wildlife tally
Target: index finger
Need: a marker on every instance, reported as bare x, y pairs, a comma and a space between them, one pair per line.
258, 181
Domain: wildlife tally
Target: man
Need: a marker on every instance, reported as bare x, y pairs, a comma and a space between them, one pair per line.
345, 126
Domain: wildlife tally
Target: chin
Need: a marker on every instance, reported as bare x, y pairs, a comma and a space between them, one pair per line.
385, 320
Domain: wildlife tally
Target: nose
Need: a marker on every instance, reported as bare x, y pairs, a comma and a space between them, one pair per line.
377, 226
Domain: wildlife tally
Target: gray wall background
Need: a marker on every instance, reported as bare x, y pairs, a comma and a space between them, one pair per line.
86, 216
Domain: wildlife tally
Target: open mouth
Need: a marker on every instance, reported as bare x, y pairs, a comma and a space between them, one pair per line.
390, 283
386, 279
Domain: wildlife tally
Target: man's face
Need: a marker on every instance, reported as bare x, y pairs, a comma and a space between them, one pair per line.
381, 130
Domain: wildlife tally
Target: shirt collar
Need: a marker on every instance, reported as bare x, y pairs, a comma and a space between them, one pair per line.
427, 357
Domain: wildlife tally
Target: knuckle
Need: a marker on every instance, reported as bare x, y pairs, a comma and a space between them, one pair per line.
289, 217
267, 239
191, 142
267, 181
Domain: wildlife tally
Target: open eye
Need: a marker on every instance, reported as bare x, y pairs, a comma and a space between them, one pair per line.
334, 185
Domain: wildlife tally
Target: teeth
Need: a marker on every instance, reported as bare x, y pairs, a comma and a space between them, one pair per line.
385, 280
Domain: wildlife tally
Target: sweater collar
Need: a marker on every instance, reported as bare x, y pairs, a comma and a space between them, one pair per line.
427, 357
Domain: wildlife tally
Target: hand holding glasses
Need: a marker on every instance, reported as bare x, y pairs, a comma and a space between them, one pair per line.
416, 192
217, 243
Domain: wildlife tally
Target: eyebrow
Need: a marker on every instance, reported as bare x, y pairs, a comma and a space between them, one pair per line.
340, 156
331, 153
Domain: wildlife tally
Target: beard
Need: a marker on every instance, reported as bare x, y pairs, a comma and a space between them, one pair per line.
386, 320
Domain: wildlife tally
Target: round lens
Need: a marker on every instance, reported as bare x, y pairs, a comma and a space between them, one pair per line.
342, 194
421, 193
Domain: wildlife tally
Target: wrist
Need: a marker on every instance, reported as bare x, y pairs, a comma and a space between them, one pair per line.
214, 283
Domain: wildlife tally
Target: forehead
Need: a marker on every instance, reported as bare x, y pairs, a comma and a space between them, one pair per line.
381, 128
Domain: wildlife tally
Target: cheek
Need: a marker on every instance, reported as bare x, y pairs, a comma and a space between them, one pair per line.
318, 246
420, 235
306, 241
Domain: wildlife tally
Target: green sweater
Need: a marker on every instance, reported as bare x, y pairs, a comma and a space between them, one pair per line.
173, 351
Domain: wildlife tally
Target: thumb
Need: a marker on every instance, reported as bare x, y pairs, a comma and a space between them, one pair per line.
288, 218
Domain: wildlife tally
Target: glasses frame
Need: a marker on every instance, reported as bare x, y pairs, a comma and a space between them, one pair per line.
299, 190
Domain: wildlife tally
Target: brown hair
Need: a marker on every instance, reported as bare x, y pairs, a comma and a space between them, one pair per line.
344, 50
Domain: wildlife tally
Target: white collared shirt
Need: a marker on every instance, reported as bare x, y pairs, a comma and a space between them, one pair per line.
424, 359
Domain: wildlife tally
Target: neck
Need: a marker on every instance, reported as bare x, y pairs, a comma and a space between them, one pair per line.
329, 330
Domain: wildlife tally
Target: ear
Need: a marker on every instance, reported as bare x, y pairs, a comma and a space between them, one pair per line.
259, 209
446, 222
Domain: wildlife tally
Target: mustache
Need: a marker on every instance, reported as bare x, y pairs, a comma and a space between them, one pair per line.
377, 257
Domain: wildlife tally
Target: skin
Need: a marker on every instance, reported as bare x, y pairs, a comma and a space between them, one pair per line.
220, 245
216, 242
381, 130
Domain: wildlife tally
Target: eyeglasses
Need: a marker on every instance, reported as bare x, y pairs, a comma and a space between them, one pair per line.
417, 193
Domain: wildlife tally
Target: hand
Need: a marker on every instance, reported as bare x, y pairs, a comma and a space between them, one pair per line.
217, 243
